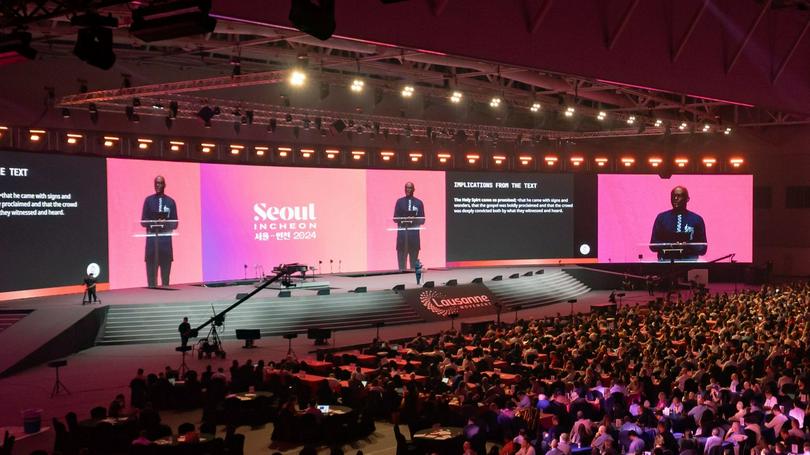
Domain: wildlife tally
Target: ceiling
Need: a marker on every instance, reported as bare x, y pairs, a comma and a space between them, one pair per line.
598, 61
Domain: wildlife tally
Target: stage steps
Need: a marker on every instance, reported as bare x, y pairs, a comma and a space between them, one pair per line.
552, 286
154, 323
11, 317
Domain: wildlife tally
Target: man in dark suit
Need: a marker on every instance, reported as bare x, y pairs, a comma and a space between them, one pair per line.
678, 233
159, 217
409, 215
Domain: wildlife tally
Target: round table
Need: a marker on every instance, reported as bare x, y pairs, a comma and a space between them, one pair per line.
440, 440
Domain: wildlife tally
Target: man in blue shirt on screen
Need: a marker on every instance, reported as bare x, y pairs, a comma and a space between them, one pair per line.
409, 215
678, 234
159, 217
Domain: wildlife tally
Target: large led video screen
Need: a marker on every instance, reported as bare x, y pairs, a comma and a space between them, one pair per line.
701, 218
154, 223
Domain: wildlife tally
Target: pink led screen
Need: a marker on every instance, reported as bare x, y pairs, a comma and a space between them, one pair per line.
629, 204
129, 182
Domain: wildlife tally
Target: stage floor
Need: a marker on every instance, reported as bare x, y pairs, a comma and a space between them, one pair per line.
190, 293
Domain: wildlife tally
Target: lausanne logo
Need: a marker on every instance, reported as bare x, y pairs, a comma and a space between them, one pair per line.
438, 303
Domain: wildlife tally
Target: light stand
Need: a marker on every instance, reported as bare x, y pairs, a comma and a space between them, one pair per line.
517, 308
453, 317
58, 386
289, 337
181, 372
572, 302
378, 325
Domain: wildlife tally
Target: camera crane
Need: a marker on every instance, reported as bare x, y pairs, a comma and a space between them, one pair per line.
285, 270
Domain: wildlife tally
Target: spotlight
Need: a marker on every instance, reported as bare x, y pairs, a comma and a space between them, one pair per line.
736, 162
94, 41
15, 47
601, 115
569, 111
535, 107
683, 126
357, 85
456, 97
706, 128
681, 162
407, 91
658, 123
727, 131
631, 120
495, 102
206, 114
297, 78
169, 20
709, 162
65, 112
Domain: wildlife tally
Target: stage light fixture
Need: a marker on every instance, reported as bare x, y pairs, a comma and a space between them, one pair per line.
307, 153
628, 161
499, 159
297, 78
175, 146
93, 111
550, 160
655, 161
681, 162
658, 123
357, 85
169, 20
525, 160
472, 158
236, 149
65, 112
600, 161
358, 155
36, 135
206, 113
631, 120
709, 162
683, 126
569, 111
495, 102
110, 141
387, 155
456, 97
260, 150
407, 91
144, 144
314, 18
706, 128
727, 131
415, 157
206, 147
73, 138
284, 152
444, 157
15, 47
736, 162
94, 40
535, 107
331, 153
577, 161
601, 115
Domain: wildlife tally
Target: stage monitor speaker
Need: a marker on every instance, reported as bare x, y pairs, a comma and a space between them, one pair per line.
399, 287
290, 336
319, 335
529, 273
241, 295
497, 278
249, 335
360, 289
514, 275
428, 284
453, 282
284, 293
57, 363
477, 280
324, 291
540, 272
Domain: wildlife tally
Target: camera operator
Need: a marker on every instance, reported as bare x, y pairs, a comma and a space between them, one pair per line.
185, 332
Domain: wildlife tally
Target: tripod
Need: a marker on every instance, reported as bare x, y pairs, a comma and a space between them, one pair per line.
289, 337
183, 369
58, 386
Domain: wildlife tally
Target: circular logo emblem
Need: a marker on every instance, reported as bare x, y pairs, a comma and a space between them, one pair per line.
584, 249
